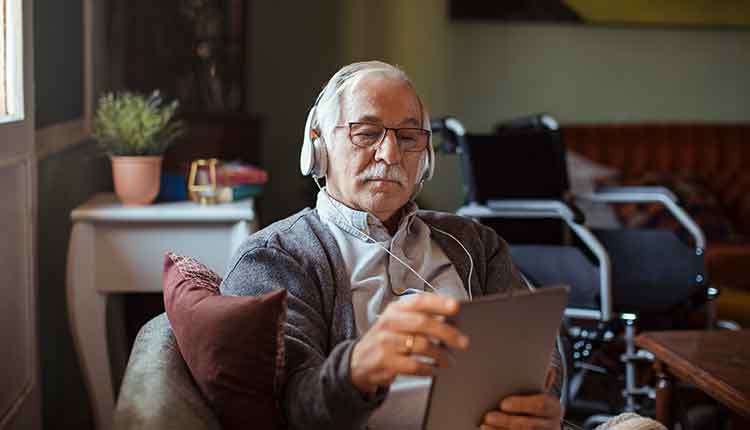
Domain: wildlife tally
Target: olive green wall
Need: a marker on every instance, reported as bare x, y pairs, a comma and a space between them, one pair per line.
295, 48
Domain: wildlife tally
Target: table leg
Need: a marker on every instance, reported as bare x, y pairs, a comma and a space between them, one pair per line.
663, 394
88, 321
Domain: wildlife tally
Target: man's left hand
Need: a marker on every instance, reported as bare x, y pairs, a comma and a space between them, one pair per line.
537, 411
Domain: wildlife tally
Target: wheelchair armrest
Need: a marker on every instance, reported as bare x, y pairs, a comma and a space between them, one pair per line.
558, 210
578, 216
630, 194
538, 208
651, 195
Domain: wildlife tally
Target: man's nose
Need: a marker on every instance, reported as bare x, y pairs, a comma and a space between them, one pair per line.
388, 151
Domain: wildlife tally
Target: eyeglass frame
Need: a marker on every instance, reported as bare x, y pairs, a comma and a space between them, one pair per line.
377, 145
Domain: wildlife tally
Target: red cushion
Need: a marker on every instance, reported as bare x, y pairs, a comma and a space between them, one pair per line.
232, 345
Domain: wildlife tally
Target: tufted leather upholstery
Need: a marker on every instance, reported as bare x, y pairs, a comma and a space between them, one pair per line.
719, 154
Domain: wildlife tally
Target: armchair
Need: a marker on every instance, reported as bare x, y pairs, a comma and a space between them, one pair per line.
158, 392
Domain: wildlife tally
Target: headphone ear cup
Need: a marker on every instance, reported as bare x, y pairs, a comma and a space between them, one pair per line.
430, 169
313, 159
307, 158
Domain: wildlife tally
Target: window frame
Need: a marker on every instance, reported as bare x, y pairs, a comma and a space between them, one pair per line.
13, 58
17, 154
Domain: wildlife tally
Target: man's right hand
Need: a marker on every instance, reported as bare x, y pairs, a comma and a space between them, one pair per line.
406, 327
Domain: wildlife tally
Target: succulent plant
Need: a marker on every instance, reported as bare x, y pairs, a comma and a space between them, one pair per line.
131, 124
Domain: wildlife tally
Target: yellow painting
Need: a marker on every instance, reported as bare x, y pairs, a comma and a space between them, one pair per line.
686, 13
735, 13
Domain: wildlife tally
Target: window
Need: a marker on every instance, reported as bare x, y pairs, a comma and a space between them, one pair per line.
11, 61
3, 84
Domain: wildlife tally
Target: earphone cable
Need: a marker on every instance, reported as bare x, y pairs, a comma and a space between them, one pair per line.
471, 260
330, 199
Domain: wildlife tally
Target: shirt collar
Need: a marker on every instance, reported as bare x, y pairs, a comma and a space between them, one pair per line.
358, 222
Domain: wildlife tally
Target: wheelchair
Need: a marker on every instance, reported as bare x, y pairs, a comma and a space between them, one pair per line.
622, 280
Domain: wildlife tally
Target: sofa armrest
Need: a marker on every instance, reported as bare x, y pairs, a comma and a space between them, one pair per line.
158, 391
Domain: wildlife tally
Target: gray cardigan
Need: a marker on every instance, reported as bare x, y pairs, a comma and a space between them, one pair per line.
301, 255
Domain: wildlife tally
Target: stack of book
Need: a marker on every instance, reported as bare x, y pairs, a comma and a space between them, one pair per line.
236, 181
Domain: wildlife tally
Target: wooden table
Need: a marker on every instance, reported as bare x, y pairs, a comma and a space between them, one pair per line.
717, 362
117, 250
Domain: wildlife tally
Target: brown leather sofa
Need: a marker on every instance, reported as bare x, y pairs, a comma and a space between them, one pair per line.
717, 154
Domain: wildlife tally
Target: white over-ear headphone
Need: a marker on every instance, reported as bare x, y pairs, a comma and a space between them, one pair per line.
313, 158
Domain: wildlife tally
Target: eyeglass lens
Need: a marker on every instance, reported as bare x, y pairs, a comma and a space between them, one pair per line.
367, 135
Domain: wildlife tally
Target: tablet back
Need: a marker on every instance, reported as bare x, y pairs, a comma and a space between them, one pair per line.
512, 338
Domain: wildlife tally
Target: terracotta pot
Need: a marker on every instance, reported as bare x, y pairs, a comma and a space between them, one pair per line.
136, 179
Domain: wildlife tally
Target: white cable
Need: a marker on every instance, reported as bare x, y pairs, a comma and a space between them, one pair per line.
471, 260
526, 281
335, 207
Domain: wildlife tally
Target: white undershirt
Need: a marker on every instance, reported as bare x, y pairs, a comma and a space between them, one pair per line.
375, 276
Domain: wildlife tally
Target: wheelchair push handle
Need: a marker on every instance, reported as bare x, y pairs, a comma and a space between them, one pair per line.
452, 132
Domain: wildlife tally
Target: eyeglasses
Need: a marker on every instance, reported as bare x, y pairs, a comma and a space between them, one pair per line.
368, 135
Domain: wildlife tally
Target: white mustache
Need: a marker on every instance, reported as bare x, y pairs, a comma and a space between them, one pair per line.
383, 172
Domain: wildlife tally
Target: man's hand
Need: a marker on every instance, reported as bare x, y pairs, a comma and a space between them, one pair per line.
406, 328
538, 411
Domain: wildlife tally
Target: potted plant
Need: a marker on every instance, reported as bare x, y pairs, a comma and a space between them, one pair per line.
135, 130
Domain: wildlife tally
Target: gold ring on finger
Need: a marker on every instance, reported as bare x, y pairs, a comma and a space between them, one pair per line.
409, 344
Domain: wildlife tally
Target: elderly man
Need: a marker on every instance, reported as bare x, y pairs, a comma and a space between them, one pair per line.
356, 338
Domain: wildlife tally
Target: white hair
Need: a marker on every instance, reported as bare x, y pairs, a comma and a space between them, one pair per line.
328, 105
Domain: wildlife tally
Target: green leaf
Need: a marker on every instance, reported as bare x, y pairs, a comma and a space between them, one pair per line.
130, 123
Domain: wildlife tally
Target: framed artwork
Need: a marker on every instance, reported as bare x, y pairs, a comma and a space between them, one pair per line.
662, 13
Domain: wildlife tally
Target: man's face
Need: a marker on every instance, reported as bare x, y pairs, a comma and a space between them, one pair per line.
391, 102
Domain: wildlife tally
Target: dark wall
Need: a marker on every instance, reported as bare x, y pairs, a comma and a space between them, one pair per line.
58, 60
65, 180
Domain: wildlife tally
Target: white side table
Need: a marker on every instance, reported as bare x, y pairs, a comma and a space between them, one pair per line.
116, 249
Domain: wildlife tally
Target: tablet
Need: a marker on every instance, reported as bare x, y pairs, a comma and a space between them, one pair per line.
512, 339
